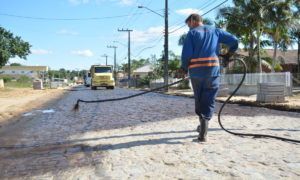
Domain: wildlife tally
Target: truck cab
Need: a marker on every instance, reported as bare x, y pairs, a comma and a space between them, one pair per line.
102, 76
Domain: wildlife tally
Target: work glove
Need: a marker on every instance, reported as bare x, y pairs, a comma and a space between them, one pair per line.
182, 73
226, 58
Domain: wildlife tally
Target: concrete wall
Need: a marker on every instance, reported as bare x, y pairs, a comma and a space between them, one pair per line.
249, 86
1, 83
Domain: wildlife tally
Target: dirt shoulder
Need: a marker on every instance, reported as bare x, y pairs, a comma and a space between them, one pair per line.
17, 101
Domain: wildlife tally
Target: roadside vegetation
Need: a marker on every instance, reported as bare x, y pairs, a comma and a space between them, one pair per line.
21, 82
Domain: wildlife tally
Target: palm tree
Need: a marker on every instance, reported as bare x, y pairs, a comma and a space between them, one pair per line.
280, 17
295, 36
295, 30
248, 20
235, 21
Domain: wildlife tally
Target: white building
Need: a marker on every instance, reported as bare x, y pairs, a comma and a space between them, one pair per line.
143, 71
34, 72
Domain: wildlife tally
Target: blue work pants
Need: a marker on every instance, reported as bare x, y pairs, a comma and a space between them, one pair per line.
205, 92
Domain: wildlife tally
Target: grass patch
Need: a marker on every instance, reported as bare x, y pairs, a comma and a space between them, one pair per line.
15, 84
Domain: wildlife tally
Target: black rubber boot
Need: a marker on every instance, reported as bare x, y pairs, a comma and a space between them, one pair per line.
199, 129
203, 131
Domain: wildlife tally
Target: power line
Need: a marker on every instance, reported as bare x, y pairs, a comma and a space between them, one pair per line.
149, 47
200, 7
70, 19
201, 15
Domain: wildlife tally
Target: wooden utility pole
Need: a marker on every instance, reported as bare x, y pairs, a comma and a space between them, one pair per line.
115, 60
104, 55
127, 30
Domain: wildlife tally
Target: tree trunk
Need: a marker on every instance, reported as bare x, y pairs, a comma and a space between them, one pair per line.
274, 56
251, 50
258, 32
298, 57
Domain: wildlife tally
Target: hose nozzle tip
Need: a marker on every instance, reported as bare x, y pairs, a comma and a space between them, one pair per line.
76, 106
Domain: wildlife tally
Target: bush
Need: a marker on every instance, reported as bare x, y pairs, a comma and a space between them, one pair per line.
6, 79
23, 79
184, 85
278, 68
144, 81
21, 82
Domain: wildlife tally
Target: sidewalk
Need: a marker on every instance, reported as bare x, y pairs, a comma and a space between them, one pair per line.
292, 103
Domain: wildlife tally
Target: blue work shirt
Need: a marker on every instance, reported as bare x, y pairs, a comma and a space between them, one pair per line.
201, 49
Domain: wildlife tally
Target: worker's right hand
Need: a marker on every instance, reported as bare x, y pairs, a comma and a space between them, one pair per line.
226, 58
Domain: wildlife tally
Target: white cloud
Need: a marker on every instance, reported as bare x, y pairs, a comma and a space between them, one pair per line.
77, 2
67, 32
126, 2
179, 30
153, 34
148, 35
188, 11
84, 53
121, 2
40, 51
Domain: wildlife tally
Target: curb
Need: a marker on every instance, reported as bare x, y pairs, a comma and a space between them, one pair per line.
279, 107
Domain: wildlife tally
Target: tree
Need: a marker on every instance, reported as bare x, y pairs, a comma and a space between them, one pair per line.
15, 64
134, 64
280, 17
237, 21
295, 31
295, 36
251, 19
12, 46
173, 65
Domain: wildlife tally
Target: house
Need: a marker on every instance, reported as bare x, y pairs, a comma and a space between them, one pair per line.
287, 59
143, 71
34, 72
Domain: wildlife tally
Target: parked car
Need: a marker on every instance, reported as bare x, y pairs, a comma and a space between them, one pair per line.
87, 79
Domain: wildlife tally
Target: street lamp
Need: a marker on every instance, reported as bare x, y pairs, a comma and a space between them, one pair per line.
166, 45
150, 10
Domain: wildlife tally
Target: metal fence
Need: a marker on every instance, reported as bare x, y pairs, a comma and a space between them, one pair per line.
296, 79
160, 82
249, 86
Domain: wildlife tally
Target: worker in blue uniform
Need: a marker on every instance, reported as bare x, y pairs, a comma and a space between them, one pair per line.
200, 60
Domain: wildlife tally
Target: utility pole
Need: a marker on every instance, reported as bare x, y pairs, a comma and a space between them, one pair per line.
166, 44
166, 47
127, 30
115, 60
104, 55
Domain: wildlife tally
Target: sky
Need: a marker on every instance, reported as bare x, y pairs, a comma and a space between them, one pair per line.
74, 34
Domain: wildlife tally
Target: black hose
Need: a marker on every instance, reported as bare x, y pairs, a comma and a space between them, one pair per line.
247, 134
76, 106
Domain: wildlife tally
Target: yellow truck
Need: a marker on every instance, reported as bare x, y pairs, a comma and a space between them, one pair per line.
102, 76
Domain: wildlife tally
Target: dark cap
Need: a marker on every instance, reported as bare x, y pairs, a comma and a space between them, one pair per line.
194, 17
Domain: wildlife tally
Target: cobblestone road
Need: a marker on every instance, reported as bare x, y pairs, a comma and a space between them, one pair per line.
146, 137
